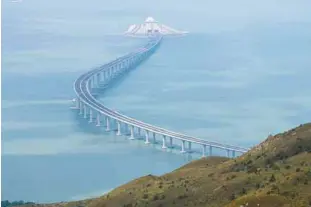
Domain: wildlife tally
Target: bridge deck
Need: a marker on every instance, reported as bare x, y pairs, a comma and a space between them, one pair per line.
84, 94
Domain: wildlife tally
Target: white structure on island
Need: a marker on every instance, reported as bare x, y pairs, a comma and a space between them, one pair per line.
152, 27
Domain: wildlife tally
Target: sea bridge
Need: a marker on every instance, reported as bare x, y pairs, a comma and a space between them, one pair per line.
94, 110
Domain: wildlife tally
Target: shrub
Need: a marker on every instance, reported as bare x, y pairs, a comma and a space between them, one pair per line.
272, 179
275, 167
232, 197
243, 191
155, 197
306, 182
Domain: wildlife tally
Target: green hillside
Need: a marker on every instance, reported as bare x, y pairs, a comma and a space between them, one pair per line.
276, 172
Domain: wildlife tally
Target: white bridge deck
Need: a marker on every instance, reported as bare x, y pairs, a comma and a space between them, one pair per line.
86, 101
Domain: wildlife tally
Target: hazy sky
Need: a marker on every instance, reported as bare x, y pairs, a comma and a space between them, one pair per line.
195, 16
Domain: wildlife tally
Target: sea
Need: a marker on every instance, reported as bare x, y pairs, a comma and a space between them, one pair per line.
242, 73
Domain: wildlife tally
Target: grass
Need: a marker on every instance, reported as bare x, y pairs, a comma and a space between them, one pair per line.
277, 172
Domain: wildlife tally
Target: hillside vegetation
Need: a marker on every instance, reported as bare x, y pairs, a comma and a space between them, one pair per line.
275, 173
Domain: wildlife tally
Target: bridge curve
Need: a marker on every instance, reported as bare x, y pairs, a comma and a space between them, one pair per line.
87, 103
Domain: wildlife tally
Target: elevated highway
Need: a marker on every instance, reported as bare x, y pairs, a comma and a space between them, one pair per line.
96, 111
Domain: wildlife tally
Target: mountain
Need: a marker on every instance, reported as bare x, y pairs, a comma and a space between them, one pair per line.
277, 172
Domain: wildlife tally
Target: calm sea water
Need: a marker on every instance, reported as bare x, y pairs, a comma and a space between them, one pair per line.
232, 82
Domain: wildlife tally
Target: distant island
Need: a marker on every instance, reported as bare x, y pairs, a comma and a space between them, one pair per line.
277, 172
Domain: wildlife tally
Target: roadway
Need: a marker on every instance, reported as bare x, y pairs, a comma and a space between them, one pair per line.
84, 94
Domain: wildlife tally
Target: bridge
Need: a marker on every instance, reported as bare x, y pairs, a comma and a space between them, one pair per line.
97, 112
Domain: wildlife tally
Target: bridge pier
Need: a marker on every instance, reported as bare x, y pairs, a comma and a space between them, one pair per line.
111, 73
182, 146
81, 108
233, 153
94, 81
189, 146
171, 142
97, 76
98, 79
119, 67
138, 131
107, 124
204, 151
98, 119
210, 150
164, 142
118, 128
228, 153
91, 116
154, 137
85, 112
132, 132
104, 76
77, 103
147, 137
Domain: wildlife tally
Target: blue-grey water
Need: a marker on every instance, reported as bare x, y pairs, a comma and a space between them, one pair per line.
242, 73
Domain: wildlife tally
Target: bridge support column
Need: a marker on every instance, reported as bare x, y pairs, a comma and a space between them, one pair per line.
98, 119
127, 65
233, 153
228, 153
182, 146
98, 78
164, 142
104, 76
91, 116
204, 151
132, 132
189, 146
107, 124
138, 130
119, 68
85, 112
154, 137
147, 137
81, 108
110, 72
119, 128
93, 81
171, 142
210, 151
77, 103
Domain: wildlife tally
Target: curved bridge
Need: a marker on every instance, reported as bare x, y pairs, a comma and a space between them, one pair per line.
93, 109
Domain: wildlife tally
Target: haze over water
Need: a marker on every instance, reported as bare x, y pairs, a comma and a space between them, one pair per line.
242, 73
